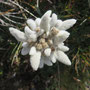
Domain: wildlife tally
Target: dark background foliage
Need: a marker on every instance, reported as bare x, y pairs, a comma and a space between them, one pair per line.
15, 70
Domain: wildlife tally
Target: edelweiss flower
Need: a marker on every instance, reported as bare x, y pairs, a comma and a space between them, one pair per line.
43, 40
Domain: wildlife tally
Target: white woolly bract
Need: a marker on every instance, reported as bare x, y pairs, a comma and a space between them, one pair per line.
53, 58
31, 24
61, 37
32, 50
63, 34
35, 60
33, 37
28, 31
45, 21
62, 57
47, 14
48, 62
20, 36
47, 51
38, 21
25, 50
41, 63
58, 24
53, 20
67, 24
25, 44
63, 48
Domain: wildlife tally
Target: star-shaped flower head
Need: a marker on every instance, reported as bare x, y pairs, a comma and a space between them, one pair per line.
43, 39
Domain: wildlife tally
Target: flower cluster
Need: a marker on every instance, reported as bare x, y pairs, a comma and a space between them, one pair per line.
43, 39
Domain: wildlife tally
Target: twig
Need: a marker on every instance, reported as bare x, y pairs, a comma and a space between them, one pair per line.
23, 8
37, 3
83, 21
7, 3
3, 23
49, 1
15, 13
7, 25
11, 20
14, 16
6, 12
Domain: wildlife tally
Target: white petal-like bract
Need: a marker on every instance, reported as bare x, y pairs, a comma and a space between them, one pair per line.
67, 24
63, 34
35, 60
61, 37
31, 35
28, 31
58, 23
53, 58
63, 48
20, 36
32, 51
62, 57
38, 21
25, 50
47, 14
48, 62
25, 44
31, 23
41, 63
45, 21
53, 20
47, 51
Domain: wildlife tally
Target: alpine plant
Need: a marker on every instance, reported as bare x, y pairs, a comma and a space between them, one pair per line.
43, 39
